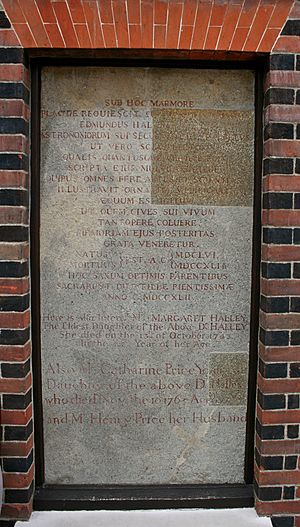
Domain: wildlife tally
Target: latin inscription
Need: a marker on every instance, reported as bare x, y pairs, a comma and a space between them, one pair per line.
146, 218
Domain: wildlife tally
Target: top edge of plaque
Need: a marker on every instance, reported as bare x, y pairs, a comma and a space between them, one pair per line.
206, 88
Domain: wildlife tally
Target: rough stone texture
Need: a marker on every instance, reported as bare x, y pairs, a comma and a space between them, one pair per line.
140, 301
211, 148
228, 379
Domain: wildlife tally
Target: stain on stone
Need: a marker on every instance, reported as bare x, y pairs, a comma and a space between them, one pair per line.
228, 378
202, 157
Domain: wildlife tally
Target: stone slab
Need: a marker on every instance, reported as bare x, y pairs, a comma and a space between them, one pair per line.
166, 518
145, 274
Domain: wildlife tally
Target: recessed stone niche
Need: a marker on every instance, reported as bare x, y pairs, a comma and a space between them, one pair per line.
146, 248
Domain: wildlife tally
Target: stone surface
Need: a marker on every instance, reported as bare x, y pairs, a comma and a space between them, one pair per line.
145, 302
228, 377
167, 518
210, 148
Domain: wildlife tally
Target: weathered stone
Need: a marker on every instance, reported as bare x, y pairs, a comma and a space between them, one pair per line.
204, 157
145, 273
228, 376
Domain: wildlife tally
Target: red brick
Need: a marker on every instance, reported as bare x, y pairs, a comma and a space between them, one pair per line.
17, 511
15, 320
273, 447
8, 38
282, 148
248, 13
280, 253
189, 12
65, 24
257, 30
280, 321
94, 24
134, 11
186, 37
14, 108
295, 12
106, 14
160, 12
13, 251
160, 37
279, 353
173, 28
35, 23
239, 38
280, 13
121, 23
218, 14
27, 78
290, 79
109, 34
13, 143
18, 481
26, 250
297, 521
290, 44
277, 477
77, 12
135, 36
83, 35
280, 217
13, 215
277, 386
26, 38
14, 286
285, 113
277, 417
12, 178
201, 25
13, 11
46, 11
229, 26
212, 38
276, 183
16, 448
268, 40
16, 385
277, 507
16, 417
55, 36
12, 72
280, 287
15, 353
147, 24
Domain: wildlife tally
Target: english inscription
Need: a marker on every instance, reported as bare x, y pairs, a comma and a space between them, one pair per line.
146, 229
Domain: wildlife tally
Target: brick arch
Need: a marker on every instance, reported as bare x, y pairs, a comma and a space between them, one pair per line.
213, 25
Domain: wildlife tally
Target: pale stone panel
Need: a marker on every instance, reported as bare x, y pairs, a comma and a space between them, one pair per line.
145, 273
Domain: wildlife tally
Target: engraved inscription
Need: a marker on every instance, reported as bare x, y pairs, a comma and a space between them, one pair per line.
146, 229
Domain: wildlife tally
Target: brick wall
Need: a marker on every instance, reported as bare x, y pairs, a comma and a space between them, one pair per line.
15, 350
277, 461
222, 28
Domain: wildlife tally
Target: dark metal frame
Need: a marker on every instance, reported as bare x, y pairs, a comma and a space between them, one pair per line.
75, 497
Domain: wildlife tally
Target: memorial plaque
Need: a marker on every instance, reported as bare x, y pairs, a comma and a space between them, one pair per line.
146, 247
